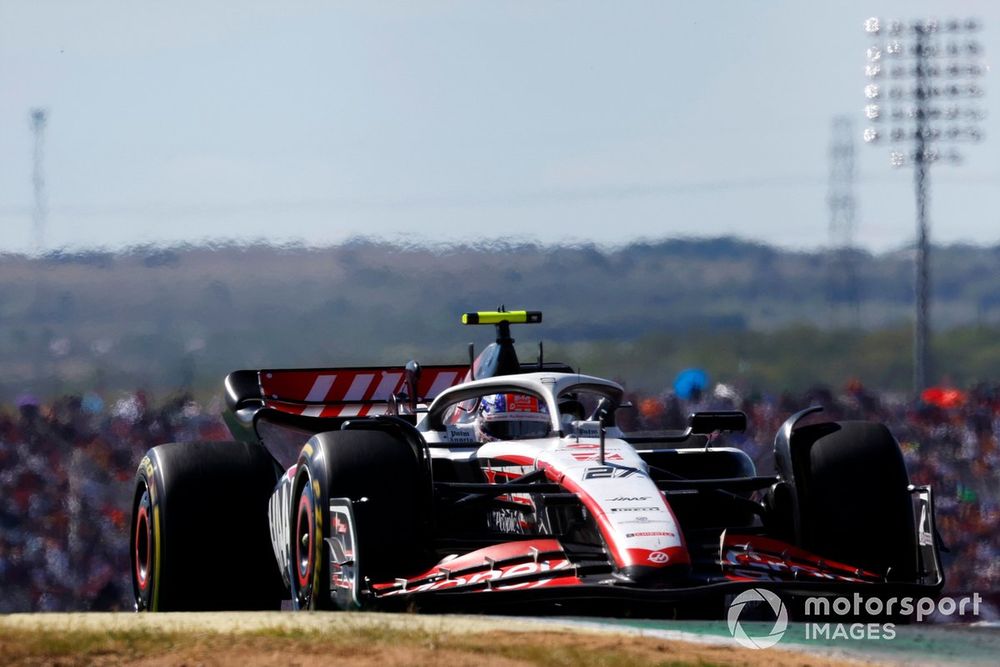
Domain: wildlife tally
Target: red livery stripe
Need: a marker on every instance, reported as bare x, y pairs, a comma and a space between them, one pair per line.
349, 392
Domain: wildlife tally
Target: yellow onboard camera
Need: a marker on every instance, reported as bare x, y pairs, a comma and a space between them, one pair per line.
496, 317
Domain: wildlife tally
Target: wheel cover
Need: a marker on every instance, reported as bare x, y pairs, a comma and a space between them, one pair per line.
142, 552
304, 537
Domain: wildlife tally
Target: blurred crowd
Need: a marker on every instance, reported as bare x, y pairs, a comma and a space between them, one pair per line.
67, 469
66, 480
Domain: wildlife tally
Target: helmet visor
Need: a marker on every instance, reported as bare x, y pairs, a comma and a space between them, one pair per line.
503, 429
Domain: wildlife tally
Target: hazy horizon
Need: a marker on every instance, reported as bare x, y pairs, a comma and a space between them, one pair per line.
441, 246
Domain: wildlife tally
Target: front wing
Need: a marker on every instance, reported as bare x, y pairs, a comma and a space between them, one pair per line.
542, 574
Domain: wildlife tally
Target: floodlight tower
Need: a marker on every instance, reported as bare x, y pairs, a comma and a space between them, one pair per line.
843, 278
923, 83
39, 118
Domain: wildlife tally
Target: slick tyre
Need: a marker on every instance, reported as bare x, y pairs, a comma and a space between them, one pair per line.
381, 496
853, 499
199, 538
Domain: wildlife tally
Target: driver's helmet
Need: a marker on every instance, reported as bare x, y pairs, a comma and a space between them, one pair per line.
511, 417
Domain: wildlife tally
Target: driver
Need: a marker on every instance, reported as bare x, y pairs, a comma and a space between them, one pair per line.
511, 417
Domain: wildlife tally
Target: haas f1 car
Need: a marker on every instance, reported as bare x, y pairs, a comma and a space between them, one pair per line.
500, 484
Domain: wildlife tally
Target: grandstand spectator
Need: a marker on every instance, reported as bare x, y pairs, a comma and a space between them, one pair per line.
67, 466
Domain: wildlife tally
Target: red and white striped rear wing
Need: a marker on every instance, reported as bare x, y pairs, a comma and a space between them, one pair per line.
338, 392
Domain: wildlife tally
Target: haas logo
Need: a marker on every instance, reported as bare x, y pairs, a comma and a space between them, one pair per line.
658, 557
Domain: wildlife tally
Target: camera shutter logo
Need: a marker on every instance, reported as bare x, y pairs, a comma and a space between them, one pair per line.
736, 609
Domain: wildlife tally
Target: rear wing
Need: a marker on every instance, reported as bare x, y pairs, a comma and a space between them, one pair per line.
338, 392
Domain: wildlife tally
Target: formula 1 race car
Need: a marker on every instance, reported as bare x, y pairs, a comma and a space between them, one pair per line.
504, 485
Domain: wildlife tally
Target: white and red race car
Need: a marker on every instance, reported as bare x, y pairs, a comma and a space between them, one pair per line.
505, 485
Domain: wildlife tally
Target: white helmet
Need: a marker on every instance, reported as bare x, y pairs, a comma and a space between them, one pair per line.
511, 417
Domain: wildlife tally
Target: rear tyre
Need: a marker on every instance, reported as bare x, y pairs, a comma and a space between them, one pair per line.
200, 538
379, 494
853, 500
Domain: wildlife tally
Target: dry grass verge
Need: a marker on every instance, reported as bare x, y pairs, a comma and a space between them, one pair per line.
226, 639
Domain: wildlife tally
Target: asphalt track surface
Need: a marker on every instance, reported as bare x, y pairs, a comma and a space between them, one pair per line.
915, 644
695, 642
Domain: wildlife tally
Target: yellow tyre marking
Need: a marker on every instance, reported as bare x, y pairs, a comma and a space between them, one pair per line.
156, 561
317, 551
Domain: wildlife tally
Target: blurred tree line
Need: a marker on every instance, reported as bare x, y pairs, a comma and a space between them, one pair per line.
163, 318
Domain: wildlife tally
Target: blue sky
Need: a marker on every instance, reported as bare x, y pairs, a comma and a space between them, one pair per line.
440, 122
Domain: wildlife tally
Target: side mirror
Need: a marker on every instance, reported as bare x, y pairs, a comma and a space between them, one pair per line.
704, 423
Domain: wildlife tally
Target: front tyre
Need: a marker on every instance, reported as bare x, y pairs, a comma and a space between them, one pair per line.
853, 497
360, 505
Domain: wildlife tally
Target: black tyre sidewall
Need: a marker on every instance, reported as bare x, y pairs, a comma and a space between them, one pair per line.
210, 546
390, 498
144, 515
308, 590
854, 503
